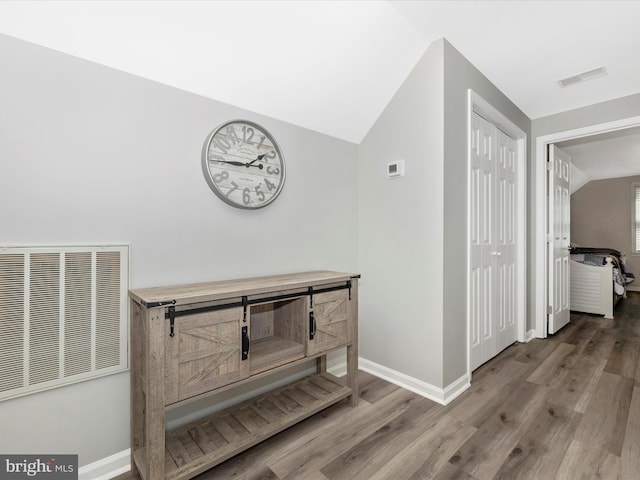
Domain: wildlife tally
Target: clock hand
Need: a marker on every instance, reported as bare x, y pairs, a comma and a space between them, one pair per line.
240, 164
260, 157
237, 164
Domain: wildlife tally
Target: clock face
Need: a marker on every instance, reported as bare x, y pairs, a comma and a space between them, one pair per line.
243, 165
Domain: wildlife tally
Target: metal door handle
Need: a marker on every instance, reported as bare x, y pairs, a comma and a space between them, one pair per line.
245, 343
312, 325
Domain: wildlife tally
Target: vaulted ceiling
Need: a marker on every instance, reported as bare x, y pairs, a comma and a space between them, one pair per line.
605, 155
332, 66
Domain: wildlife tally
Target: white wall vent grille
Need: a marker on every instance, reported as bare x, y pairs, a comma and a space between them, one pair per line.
63, 315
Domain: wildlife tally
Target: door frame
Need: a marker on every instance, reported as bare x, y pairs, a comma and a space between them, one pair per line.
540, 280
483, 108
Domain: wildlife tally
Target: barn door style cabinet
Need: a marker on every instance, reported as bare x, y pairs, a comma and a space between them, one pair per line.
193, 341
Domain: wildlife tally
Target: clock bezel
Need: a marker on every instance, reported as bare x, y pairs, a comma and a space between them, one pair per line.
208, 175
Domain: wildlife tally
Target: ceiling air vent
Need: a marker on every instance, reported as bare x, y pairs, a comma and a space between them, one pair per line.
582, 77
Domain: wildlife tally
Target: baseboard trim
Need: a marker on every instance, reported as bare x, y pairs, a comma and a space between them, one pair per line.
531, 334
107, 468
442, 396
339, 370
120, 462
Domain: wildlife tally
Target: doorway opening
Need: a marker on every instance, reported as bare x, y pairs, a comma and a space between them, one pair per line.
541, 261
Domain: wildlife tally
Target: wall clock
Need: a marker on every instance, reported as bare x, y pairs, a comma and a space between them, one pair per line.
243, 164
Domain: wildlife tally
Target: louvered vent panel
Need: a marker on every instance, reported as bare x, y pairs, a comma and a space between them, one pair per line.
44, 318
12, 318
107, 312
63, 315
77, 313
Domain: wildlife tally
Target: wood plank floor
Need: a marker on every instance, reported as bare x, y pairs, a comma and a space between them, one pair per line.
567, 407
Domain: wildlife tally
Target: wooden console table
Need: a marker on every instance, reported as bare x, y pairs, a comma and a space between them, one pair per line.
189, 342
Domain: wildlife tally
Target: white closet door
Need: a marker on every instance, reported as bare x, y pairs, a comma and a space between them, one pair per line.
493, 241
483, 262
506, 250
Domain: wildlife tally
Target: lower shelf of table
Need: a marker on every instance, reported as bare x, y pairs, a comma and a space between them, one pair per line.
198, 446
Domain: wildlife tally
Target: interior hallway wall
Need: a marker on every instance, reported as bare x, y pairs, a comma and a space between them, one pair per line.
413, 229
601, 213
460, 76
92, 155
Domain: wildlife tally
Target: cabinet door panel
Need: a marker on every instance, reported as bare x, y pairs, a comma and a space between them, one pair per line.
205, 353
332, 314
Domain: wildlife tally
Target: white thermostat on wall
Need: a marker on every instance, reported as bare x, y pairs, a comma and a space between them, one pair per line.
395, 169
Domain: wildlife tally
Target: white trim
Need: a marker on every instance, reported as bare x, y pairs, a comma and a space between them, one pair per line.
442, 396
456, 388
540, 202
483, 108
531, 334
108, 467
119, 463
337, 369
489, 112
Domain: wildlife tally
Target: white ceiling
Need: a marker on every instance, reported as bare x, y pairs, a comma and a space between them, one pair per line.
328, 66
606, 155
333, 66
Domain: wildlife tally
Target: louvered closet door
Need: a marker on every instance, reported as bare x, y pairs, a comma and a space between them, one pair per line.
493, 241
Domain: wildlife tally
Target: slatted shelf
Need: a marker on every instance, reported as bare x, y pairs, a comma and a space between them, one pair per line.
191, 342
197, 446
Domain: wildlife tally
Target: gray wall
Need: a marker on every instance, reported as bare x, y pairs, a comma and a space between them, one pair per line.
460, 76
400, 227
92, 155
623, 107
601, 213
414, 288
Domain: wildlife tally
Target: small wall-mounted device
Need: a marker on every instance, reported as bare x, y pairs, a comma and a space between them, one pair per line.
395, 169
